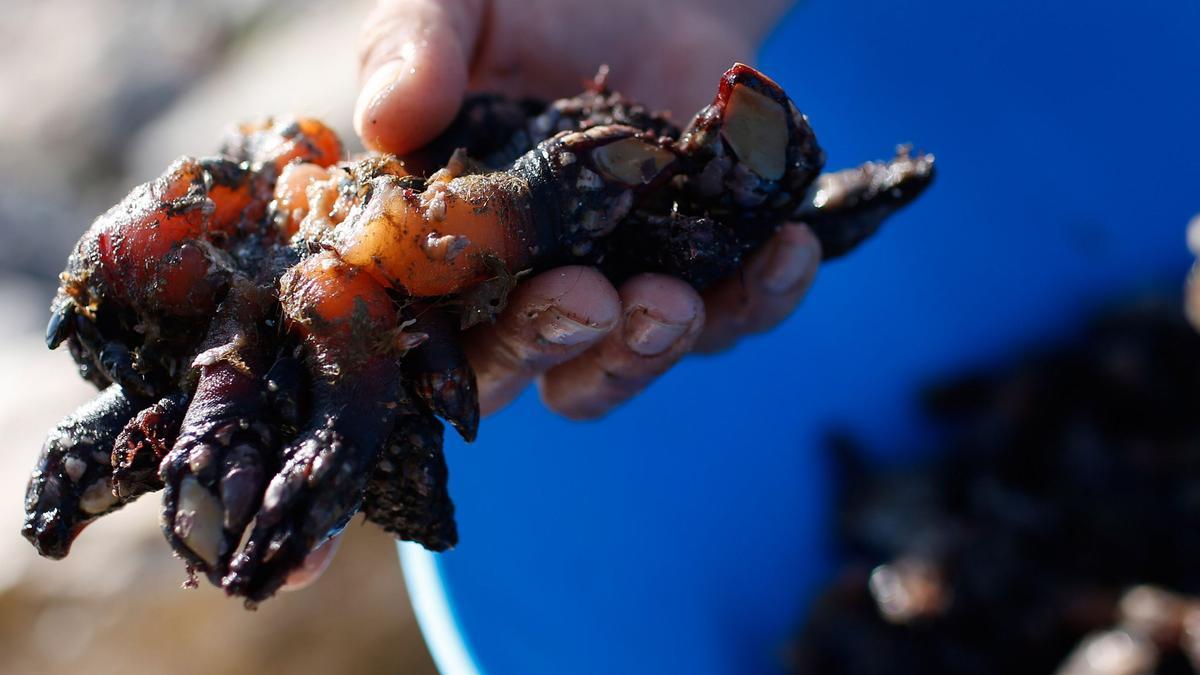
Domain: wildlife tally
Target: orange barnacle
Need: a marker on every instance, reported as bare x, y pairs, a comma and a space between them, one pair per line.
279, 141
438, 241
324, 298
301, 139
186, 281
291, 194
231, 206
134, 237
326, 208
239, 194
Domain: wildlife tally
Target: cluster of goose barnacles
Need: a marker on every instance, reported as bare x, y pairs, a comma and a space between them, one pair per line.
275, 331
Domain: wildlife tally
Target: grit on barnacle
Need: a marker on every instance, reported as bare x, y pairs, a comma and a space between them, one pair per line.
276, 330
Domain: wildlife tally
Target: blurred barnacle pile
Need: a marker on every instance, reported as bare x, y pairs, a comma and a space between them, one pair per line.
1056, 531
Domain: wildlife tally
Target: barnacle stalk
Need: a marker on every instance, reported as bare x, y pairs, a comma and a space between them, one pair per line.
72, 481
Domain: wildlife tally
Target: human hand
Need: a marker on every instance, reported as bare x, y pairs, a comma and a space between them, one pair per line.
590, 346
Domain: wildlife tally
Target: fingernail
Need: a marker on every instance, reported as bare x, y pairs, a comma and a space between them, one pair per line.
650, 337
557, 328
789, 264
314, 565
376, 87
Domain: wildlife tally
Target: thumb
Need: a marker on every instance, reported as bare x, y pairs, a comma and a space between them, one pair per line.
414, 62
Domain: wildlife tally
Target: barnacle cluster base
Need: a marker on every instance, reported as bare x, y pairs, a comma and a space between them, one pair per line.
275, 330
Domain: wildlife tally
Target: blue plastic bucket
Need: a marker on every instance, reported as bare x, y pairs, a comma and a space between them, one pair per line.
688, 531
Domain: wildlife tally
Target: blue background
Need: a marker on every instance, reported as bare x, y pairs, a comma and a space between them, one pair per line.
687, 531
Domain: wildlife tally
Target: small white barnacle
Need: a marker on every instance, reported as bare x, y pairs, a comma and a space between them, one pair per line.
588, 180
444, 247
98, 497
74, 468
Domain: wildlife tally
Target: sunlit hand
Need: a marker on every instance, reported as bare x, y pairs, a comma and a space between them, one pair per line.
588, 345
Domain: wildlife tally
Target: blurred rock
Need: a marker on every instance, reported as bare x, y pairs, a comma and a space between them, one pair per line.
100, 95
83, 80
304, 62
79, 79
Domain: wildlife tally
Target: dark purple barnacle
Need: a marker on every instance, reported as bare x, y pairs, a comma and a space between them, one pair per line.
142, 444
71, 484
750, 154
407, 494
227, 439
324, 473
591, 180
438, 370
697, 249
844, 208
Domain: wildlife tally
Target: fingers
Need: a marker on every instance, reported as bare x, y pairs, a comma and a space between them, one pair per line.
568, 324
550, 319
419, 56
697, 45
769, 287
662, 318
314, 566
414, 63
